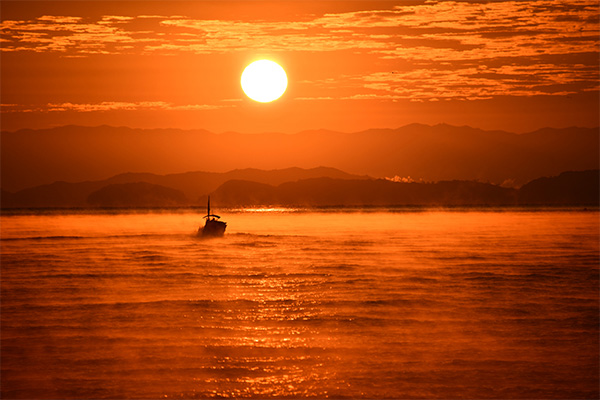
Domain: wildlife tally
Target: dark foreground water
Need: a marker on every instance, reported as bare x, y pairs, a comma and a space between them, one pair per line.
433, 304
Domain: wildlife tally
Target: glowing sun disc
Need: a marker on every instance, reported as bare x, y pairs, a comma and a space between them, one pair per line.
264, 81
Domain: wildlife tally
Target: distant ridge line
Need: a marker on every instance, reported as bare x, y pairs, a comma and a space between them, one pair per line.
430, 153
318, 130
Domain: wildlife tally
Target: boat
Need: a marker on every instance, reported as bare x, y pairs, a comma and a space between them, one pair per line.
212, 227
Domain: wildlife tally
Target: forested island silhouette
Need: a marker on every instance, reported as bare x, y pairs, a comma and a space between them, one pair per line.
580, 188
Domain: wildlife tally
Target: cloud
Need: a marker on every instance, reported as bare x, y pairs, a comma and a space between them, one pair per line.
480, 82
466, 82
114, 19
111, 106
159, 16
455, 30
70, 35
14, 108
315, 98
59, 19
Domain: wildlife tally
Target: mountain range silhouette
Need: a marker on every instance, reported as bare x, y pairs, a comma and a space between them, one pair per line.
442, 152
299, 187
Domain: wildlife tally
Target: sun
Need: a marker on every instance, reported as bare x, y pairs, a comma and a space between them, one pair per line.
264, 81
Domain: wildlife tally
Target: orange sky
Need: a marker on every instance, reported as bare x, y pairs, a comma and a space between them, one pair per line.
351, 65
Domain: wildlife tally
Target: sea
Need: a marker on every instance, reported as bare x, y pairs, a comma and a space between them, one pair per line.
382, 303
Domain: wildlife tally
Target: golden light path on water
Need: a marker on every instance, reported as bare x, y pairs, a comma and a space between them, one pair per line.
396, 304
268, 210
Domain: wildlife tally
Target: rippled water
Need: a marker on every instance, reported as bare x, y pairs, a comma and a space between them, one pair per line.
429, 304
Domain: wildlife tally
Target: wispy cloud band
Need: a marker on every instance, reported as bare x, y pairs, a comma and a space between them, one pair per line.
445, 30
111, 106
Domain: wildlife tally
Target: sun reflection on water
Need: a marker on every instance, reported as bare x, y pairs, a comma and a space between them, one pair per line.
267, 210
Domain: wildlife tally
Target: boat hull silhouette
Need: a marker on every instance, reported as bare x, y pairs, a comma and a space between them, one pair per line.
212, 227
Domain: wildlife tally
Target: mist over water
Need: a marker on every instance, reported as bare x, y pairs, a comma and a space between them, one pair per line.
428, 304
